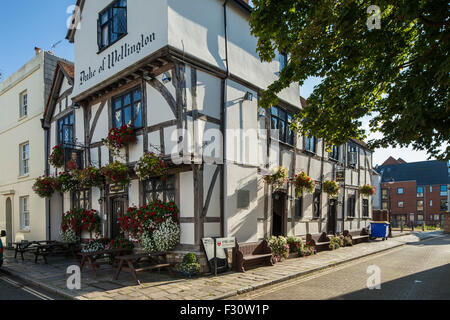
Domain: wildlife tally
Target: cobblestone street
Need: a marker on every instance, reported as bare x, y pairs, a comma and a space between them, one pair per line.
156, 286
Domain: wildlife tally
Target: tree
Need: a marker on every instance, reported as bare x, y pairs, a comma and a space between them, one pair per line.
397, 74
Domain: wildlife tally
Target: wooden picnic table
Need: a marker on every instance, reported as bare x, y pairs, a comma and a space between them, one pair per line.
90, 258
26, 246
133, 261
54, 248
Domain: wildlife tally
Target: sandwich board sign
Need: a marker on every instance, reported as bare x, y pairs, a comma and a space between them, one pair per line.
216, 250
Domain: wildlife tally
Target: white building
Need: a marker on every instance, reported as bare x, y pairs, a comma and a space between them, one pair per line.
193, 65
22, 100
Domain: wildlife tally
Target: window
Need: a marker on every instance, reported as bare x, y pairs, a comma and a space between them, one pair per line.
444, 205
299, 208
159, 189
436, 217
317, 195
112, 24
420, 205
127, 109
384, 205
81, 199
420, 217
400, 204
365, 207
431, 189
283, 61
24, 213
23, 104
24, 159
431, 203
384, 194
419, 192
334, 154
281, 121
65, 130
351, 206
443, 191
310, 144
400, 190
352, 160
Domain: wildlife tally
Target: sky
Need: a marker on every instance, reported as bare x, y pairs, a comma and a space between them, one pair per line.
26, 24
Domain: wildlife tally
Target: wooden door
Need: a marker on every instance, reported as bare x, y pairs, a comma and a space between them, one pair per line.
117, 209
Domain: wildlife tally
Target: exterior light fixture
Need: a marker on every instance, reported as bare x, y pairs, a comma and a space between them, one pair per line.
76, 106
248, 96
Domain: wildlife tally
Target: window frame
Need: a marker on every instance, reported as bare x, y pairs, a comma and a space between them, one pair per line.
402, 192
351, 207
352, 149
365, 208
334, 154
24, 162
283, 60
420, 194
23, 107
287, 136
308, 143
164, 190
23, 213
131, 105
298, 208
443, 193
417, 205
60, 131
110, 24
400, 202
77, 199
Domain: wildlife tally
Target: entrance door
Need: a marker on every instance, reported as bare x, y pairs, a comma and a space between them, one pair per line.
117, 208
278, 214
9, 234
332, 210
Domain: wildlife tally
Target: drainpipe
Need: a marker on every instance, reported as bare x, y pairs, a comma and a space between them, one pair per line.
47, 172
224, 118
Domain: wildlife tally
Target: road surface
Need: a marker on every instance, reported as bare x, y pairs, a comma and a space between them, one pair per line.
12, 288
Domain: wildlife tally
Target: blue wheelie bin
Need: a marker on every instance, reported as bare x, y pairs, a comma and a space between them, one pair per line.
379, 230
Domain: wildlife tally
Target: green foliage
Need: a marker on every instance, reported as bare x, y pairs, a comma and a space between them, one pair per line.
398, 74
336, 243
278, 178
189, 266
279, 247
331, 188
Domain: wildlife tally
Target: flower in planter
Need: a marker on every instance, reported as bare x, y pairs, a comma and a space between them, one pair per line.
307, 249
94, 245
304, 183
150, 165
91, 177
278, 178
189, 266
119, 137
56, 159
79, 220
295, 244
121, 243
66, 181
280, 247
44, 186
331, 188
69, 236
116, 172
368, 190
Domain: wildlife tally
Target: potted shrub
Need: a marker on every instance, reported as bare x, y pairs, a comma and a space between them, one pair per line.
368, 190
150, 165
116, 173
331, 188
44, 186
307, 250
119, 137
278, 178
280, 248
335, 243
91, 177
56, 158
189, 266
303, 182
295, 244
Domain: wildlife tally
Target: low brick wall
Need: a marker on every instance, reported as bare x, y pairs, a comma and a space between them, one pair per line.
177, 257
447, 223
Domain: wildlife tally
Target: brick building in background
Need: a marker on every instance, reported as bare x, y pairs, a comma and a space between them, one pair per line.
415, 192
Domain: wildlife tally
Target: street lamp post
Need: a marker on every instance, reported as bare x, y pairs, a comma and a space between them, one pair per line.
391, 182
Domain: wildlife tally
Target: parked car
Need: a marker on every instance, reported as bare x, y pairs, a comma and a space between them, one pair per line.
3, 234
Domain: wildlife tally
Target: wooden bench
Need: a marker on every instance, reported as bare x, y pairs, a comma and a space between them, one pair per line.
357, 236
320, 241
252, 253
53, 248
27, 246
155, 261
91, 258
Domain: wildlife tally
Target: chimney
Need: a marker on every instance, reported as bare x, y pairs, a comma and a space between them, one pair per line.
37, 50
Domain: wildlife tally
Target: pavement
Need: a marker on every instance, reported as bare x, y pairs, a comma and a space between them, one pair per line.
417, 271
53, 277
12, 288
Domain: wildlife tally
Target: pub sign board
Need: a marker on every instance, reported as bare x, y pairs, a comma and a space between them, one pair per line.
340, 176
219, 255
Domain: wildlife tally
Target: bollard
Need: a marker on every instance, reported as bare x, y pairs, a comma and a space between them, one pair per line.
412, 227
401, 226
423, 226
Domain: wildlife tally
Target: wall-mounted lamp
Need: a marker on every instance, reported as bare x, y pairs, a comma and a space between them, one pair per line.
100, 201
76, 106
248, 96
166, 77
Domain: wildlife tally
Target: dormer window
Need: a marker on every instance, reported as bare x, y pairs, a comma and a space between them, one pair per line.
112, 24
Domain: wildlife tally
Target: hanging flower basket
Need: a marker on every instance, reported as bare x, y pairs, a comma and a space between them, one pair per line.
78, 220
44, 186
150, 165
119, 138
330, 187
277, 179
304, 183
66, 181
368, 190
116, 173
57, 157
91, 177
